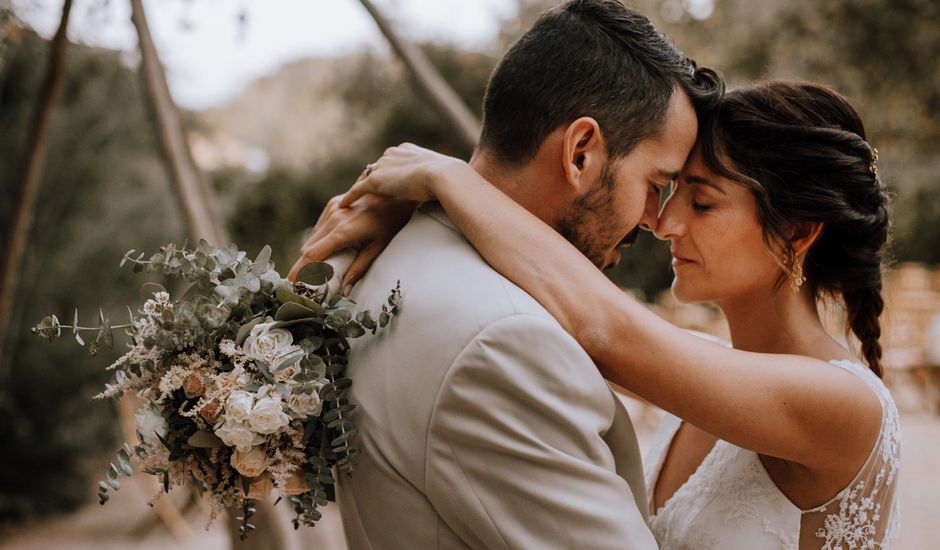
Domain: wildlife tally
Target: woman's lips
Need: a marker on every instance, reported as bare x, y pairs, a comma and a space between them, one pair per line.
679, 261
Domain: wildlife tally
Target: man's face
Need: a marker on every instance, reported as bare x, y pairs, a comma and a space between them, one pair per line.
626, 196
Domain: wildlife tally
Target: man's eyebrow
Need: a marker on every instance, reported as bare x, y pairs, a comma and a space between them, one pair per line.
699, 180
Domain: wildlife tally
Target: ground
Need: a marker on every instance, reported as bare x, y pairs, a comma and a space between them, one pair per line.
125, 521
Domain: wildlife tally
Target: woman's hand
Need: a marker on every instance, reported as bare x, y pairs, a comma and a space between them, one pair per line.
378, 205
407, 172
367, 226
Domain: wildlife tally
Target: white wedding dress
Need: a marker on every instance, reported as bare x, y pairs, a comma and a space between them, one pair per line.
730, 502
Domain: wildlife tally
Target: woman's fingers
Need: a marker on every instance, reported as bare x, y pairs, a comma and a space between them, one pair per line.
318, 251
358, 189
331, 206
359, 266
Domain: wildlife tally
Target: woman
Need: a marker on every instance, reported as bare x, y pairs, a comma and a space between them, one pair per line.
785, 441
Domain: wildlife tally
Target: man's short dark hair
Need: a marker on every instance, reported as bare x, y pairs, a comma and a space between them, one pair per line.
594, 58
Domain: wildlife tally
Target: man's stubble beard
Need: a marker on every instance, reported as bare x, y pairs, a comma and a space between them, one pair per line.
589, 221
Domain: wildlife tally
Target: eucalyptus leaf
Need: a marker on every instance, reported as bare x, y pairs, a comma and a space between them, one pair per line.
204, 440
290, 360
264, 370
245, 330
260, 265
286, 296
315, 274
292, 311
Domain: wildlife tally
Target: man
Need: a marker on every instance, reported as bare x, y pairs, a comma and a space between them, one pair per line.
482, 423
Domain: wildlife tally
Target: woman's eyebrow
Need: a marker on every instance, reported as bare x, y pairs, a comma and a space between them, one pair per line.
699, 180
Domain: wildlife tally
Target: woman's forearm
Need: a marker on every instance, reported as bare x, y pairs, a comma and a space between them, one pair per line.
726, 392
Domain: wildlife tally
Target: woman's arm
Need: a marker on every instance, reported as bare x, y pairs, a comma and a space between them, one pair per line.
791, 407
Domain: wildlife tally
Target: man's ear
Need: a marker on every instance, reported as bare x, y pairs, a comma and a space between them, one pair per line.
585, 154
803, 235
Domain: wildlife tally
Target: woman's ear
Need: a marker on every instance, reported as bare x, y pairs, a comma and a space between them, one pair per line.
803, 235
584, 154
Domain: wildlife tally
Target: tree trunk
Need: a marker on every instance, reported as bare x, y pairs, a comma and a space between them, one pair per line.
187, 181
194, 202
29, 187
429, 80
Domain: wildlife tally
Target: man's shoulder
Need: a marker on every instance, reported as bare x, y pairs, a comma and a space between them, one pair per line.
442, 274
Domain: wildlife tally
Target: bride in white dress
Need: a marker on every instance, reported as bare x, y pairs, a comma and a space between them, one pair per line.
787, 440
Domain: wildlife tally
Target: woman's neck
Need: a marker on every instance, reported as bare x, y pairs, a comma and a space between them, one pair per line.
780, 322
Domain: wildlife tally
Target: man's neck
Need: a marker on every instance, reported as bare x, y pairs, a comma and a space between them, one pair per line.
519, 184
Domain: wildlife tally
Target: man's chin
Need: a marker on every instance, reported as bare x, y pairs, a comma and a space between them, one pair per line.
609, 261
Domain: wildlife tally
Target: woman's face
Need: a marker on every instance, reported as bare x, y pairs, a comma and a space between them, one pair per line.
717, 242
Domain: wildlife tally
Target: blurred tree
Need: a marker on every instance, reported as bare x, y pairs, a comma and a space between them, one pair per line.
24, 198
278, 206
103, 192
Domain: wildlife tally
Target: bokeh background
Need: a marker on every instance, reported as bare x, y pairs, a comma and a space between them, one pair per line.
283, 103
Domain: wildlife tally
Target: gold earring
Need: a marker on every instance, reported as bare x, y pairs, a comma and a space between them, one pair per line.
796, 277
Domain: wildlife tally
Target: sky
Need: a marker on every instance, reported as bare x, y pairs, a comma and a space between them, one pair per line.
210, 56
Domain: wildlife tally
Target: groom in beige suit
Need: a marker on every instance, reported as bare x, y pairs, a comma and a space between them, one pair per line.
482, 423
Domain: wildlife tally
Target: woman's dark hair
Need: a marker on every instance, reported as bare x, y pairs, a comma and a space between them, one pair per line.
594, 58
801, 149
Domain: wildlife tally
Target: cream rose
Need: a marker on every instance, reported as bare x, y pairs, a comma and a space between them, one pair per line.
270, 344
250, 464
268, 416
236, 434
238, 406
287, 374
305, 404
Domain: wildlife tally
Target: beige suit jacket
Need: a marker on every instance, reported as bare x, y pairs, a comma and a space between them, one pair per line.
482, 423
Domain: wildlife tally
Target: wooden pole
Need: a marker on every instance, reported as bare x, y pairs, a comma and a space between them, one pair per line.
187, 180
29, 186
429, 80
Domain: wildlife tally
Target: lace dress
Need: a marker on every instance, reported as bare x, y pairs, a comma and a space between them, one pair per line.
730, 502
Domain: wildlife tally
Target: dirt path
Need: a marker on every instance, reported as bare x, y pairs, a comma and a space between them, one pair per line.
120, 523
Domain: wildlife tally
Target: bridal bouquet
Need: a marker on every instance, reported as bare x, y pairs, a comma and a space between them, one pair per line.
241, 378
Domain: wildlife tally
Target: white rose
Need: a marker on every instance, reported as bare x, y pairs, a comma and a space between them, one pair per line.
149, 423
250, 464
305, 404
238, 406
268, 416
269, 343
238, 435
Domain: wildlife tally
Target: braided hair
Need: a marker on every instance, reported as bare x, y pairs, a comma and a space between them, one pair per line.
801, 149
